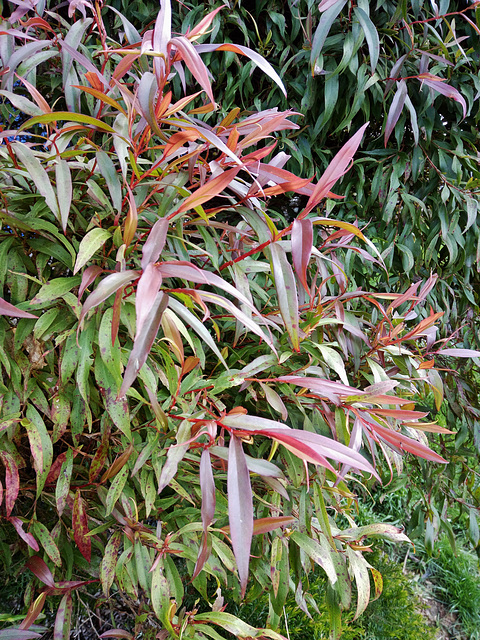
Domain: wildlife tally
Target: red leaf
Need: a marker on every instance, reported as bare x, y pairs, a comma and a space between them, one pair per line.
7, 309
117, 633
12, 481
335, 170
38, 567
105, 288
27, 537
240, 508
406, 444
88, 277
80, 527
302, 244
34, 611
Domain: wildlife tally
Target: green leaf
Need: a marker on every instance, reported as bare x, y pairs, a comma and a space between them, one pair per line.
40, 445
54, 289
94, 239
115, 490
109, 562
45, 538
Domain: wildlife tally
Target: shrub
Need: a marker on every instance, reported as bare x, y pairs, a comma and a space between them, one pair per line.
173, 356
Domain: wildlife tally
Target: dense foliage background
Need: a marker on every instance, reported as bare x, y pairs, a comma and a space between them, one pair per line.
210, 359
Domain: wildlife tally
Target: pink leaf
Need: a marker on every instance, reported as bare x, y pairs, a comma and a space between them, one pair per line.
308, 446
396, 108
117, 633
88, 277
335, 170
438, 85
403, 443
106, 287
207, 485
27, 537
161, 36
143, 342
302, 244
153, 247
7, 309
240, 508
147, 290
286, 293
12, 481
38, 567
193, 61
459, 353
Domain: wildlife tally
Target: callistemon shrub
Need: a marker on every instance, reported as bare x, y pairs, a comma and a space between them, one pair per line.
189, 386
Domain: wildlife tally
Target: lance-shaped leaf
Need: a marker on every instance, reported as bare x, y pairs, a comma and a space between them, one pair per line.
12, 481
404, 443
331, 390
63, 482
26, 537
238, 314
48, 543
311, 447
7, 309
302, 244
335, 170
34, 610
109, 172
175, 455
90, 243
210, 189
329, 15
388, 531
146, 296
265, 525
188, 271
265, 66
286, 293
460, 353
233, 625
40, 445
88, 277
155, 242
109, 561
39, 568
63, 619
49, 118
396, 108
197, 326
359, 566
106, 287
143, 342
263, 468
316, 552
14, 633
371, 35
39, 176
80, 527
240, 508
192, 59
64, 190
207, 486
440, 86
